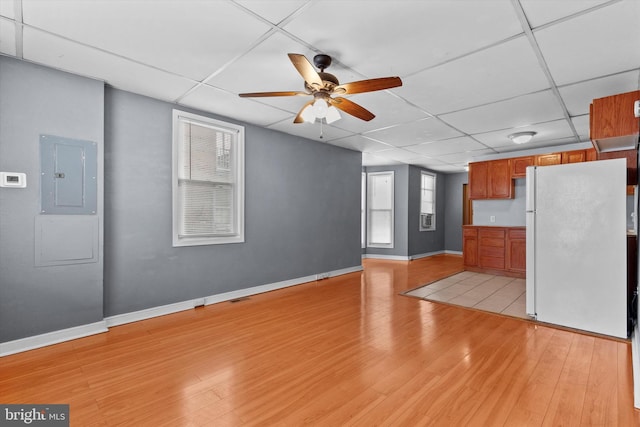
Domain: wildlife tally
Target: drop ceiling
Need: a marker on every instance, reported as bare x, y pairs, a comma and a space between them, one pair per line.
473, 71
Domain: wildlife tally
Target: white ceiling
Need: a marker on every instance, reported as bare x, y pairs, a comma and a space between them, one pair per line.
473, 71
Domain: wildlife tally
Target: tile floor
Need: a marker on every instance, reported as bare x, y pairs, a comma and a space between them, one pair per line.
498, 294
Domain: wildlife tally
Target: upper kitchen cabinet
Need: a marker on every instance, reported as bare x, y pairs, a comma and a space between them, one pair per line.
613, 125
491, 180
519, 166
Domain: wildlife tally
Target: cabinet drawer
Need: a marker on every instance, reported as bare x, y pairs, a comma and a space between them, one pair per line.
517, 234
486, 233
492, 251
491, 243
492, 262
470, 232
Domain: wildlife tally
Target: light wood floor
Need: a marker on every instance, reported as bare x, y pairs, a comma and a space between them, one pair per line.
344, 351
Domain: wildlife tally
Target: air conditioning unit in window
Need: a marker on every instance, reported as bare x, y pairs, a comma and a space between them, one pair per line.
426, 221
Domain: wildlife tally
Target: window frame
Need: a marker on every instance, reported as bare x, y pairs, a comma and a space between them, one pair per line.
433, 201
238, 181
370, 223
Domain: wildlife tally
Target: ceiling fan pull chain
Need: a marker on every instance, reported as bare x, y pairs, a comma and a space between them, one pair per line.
321, 137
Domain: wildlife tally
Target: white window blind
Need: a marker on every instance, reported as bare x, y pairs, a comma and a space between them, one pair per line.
208, 192
427, 202
380, 209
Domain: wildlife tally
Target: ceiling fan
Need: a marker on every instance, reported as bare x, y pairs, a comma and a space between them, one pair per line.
323, 85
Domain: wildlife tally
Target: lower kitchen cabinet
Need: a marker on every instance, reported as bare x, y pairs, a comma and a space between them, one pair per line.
494, 250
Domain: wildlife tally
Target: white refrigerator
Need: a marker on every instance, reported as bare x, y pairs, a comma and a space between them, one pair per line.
576, 246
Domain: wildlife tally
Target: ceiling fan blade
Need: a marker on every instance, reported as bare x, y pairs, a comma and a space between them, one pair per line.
265, 94
299, 118
306, 70
352, 108
370, 85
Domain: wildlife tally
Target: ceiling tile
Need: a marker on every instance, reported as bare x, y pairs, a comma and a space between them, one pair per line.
500, 72
605, 41
7, 37
540, 13
464, 158
578, 97
118, 72
7, 9
403, 36
401, 155
581, 124
310, 130
445, 168
449, 146
369, 159
549, 132
273, 11
361, 143
228, 104
192, 39
521, 111
413, 133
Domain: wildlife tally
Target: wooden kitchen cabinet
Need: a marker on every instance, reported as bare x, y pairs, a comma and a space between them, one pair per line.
478, 180
612, 122
519, 166
491, 180
470, 247
495, 250
549, 159
575, 156
516, 253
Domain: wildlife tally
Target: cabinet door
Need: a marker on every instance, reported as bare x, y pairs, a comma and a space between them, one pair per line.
576, 156
516, 253
549, 159
478, 176
500, 182
519, 166
612, 116
470, 247
591, 155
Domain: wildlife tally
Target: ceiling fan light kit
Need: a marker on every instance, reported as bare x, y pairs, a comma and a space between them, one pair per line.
321, 86
521, 137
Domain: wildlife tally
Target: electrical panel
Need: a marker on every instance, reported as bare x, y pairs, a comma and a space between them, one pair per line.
68, 176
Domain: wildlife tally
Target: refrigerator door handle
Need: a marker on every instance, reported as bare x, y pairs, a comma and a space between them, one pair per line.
530, 196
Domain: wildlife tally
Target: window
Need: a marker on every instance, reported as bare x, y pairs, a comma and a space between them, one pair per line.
427, 202
208, 181
380, 209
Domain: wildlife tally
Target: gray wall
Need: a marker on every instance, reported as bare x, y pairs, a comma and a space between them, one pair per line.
35, 100
302, 207
422, 242
508, 212
453, 210
302, 212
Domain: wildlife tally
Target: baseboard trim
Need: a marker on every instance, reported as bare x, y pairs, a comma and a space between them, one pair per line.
410, 257
387, 257
55, 337
635, 364
50, 338
425, 255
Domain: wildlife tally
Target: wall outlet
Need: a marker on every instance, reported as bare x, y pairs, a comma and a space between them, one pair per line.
492, 218
321, 276
636, 108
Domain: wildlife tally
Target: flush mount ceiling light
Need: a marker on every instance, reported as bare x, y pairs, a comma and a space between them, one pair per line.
521, 137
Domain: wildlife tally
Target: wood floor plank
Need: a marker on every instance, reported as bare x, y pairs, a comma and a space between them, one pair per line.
346, 351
